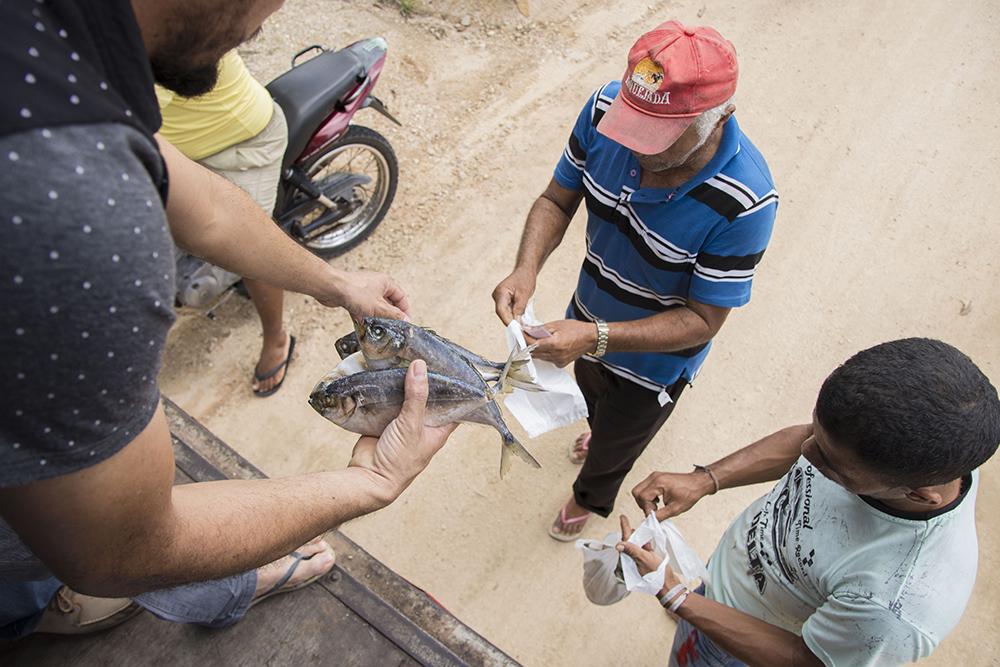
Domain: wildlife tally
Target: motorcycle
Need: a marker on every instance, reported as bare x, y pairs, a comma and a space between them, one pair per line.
338, 179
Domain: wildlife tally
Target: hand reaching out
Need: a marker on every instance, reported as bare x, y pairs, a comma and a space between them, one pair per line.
678, 492
512, 294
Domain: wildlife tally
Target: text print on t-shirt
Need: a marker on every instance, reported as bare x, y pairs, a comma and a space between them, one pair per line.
786, 517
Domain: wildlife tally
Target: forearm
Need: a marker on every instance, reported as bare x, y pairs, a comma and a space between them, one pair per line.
764, 460
744, 637
543, 232
670, 331
216, 529
121, 527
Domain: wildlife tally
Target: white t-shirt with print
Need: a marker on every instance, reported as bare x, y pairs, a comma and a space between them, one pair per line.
860, 585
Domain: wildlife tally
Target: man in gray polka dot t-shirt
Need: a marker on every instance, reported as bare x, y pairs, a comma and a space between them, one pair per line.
87, 225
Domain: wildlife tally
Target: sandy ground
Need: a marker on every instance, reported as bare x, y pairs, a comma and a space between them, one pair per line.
879, 124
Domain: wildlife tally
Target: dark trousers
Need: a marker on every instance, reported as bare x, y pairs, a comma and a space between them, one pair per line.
624, 417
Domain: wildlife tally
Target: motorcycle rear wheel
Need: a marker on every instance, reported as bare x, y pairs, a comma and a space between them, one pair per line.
360, 150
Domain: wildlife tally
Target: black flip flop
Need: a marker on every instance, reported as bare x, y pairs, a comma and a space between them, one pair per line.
277, 588
274, 371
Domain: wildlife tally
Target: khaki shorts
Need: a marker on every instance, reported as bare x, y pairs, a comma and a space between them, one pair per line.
255, 164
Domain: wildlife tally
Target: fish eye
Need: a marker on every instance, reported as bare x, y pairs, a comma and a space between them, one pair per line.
377, 331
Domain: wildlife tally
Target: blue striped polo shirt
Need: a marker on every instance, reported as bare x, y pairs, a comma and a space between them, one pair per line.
652, 249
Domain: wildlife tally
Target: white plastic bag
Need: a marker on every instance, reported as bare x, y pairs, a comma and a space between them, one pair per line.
648, 531
560, 404
606, 583
685, 561
667, 543
602, 579
349, 365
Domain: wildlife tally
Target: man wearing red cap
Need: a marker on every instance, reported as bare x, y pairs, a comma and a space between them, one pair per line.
680, 209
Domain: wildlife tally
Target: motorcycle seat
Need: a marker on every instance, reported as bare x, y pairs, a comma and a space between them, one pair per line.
308, 92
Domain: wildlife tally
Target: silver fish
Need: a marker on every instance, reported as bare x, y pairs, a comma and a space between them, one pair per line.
390, 343
366, 402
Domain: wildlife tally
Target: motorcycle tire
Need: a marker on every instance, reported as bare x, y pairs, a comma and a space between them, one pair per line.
358, 225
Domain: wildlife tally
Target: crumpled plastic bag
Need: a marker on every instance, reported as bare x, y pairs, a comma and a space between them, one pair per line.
608, 576
538, 412
648, 531
349, 365
602, 576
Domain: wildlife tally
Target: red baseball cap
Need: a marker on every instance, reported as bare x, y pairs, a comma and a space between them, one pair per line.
674, 74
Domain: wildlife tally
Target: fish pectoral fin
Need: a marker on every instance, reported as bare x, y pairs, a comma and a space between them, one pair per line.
516, 371
527, 385
514, 368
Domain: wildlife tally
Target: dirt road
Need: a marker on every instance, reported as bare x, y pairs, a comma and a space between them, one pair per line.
879, 123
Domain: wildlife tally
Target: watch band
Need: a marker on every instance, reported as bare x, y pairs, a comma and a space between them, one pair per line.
602, 338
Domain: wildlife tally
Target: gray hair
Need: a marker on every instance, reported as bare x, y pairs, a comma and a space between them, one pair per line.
706, 122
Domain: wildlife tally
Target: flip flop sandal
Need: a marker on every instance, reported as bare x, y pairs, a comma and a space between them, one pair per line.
563, 521
274, 371
277, 588
578, 450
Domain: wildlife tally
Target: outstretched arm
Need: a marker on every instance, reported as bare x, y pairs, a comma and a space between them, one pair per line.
213, 219
763, 461
120, 527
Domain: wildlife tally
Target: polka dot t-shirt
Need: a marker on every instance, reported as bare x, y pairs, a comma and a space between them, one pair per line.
86, 289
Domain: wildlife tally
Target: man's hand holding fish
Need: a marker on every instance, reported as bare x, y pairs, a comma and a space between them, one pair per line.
365, 294
406, 446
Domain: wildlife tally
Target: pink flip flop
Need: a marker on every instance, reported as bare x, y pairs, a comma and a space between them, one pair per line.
578, 450
561, 520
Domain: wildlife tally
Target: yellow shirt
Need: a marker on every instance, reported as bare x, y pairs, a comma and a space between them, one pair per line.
238, 108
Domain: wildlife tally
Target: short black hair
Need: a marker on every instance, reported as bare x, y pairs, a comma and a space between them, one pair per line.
916, 411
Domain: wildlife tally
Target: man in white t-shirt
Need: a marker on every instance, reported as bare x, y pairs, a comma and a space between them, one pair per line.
865, 552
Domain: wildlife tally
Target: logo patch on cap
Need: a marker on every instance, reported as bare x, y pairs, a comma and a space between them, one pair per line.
644, 83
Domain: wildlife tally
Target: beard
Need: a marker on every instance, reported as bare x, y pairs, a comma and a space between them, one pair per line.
187, 62
185, 79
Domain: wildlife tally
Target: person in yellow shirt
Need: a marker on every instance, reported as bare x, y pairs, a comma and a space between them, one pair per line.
239, 132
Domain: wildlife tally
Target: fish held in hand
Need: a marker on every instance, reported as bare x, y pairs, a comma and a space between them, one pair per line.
388, 343
366, 402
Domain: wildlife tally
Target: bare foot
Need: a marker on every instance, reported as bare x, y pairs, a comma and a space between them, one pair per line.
578, 451
318, 559
271, 355
569, 522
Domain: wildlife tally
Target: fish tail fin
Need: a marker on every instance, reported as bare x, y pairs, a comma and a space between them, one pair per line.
511, 446
515, 372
